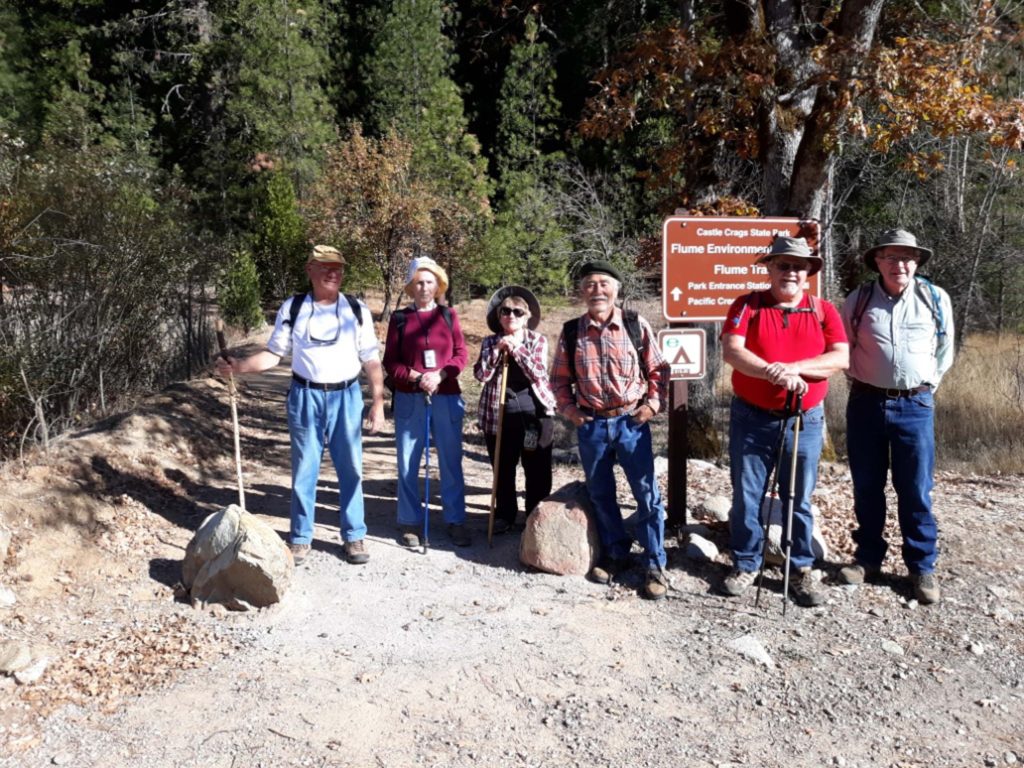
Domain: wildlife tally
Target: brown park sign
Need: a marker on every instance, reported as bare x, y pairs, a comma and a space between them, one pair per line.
707, 263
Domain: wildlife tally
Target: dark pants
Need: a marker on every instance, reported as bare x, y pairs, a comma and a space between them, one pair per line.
536, 465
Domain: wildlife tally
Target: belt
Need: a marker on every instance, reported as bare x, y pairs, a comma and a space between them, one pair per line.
890, 392
608, 413
777, 413
323, 387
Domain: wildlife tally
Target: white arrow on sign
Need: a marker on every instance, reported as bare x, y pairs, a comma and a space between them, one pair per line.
676, 293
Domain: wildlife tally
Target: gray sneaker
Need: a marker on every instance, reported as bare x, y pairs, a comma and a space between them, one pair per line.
736, 583
355, 552
858, 573
926, 588
806, 588
409, 537
459, 535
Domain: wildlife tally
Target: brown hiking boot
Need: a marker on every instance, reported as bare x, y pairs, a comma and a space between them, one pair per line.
355, 552
656, 586
299, 552
605, 569
926, 587
736, 583
858, 573
806, 588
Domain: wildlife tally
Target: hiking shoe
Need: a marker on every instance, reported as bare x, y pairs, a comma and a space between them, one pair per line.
605, 569
926, 588
502, 526
409, 538
806, 588
736, 583
656, 585
299, 552
858, 573
459, 535
355, 552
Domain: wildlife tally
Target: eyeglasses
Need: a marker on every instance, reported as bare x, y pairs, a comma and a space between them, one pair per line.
506, 311
789, 266
891, 258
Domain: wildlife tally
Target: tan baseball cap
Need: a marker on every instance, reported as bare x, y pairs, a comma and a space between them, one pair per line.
326, 254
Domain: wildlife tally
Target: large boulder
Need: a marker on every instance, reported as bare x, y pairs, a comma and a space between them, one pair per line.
560, 536
237, 560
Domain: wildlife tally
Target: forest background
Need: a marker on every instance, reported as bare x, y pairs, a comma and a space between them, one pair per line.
163, 162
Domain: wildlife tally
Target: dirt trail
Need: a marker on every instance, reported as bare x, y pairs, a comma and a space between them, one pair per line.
462, 657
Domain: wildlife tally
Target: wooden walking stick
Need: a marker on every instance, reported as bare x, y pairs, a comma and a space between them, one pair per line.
234, 414
497, 448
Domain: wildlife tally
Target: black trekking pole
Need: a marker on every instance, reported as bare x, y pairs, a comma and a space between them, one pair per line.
788, 543
771, 485
426, 480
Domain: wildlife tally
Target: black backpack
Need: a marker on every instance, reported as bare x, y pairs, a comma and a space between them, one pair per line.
630, 319
300, 298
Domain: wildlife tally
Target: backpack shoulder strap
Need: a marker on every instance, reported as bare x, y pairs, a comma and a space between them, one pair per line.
446, 313
353, 302
931, 296
818, 308
293, 311
863, 298
631, 320
570, 335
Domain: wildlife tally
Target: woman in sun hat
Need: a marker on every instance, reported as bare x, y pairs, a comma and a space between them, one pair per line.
513, 314
424, 354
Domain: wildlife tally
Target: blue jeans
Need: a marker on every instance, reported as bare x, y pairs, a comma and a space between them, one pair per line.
753, 451
603, 442
897, 432
446, 414
335, 418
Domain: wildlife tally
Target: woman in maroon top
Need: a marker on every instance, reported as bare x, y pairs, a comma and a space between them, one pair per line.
424, 354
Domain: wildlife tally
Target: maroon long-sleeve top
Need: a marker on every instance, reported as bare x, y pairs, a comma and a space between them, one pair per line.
423, 331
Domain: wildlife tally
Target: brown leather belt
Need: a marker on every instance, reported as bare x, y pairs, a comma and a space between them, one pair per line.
891, 392
608, 413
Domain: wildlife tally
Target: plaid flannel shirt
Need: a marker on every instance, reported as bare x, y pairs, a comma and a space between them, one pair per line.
608, 369
532, 357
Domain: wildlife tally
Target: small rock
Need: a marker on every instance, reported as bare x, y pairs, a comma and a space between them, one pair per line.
752, 648
14, 656
977, 649
61, 758
1002, 614
701, 549
889, 646
1009, 757
7, 597
660, 466
1001, 592
716, 508
31, 673
700, 464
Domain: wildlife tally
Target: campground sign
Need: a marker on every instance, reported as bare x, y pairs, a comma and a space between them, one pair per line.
707, 263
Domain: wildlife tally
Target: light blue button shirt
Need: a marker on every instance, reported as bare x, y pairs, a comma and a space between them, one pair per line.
896, 344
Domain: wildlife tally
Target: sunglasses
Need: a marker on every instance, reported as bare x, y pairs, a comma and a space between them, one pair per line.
506, 311
789, 266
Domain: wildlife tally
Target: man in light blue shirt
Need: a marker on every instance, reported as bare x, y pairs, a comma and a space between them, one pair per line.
901, 344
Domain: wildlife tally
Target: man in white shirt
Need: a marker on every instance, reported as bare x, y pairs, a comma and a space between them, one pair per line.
901, 344
329, 345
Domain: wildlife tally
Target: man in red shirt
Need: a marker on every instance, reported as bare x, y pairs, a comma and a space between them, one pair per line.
778, 341
609, 390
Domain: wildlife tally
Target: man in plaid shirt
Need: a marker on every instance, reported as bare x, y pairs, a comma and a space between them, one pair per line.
615, 391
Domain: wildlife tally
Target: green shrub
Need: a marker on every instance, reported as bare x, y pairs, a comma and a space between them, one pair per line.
239, 293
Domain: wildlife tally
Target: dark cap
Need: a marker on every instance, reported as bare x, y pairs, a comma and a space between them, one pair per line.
599, 267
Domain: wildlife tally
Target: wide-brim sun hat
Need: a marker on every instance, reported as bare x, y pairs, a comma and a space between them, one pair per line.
784, 245
895, 237
503, 293
427, 263
325, 254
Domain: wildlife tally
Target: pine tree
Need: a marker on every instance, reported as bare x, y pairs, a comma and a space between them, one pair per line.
409, 79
